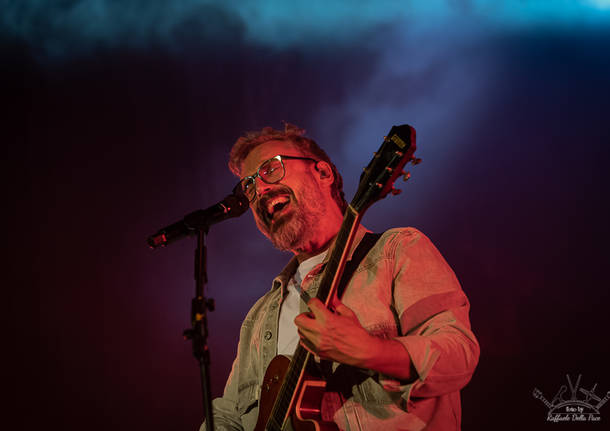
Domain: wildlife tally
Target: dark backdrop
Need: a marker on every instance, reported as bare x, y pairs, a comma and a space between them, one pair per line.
118, 120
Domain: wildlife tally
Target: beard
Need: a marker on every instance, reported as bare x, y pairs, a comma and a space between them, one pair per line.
295, 228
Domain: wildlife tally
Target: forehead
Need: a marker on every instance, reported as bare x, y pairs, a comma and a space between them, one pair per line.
266, 151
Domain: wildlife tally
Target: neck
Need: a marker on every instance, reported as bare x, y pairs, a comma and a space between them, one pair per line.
302, 256
323, 234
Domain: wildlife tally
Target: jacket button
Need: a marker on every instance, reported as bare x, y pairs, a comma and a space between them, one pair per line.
268, 335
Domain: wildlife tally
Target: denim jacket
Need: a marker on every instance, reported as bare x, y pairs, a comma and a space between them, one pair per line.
404, 290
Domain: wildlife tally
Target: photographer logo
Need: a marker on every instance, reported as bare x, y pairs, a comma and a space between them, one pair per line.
579, 405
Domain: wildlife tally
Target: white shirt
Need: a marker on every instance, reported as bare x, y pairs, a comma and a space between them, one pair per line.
288, 338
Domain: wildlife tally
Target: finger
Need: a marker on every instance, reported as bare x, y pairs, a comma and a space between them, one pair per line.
315, 304
305, 321
344, 310
306, 342
305, 345
302, 321
317, 307
334, 302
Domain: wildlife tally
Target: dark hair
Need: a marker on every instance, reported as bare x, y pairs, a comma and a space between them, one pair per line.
295, 135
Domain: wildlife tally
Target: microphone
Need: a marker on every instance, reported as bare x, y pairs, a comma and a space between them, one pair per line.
233, 205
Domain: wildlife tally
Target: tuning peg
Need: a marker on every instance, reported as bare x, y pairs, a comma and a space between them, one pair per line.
415, 161
395, 191
405, 175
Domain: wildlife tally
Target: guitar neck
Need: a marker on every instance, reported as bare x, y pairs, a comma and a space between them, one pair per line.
338, 256
328, 286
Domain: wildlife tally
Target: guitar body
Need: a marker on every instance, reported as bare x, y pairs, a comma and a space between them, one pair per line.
307, 414
308, 408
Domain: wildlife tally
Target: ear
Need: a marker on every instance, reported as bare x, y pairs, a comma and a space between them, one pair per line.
324, 172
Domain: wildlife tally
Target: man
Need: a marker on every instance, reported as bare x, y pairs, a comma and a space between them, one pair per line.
399, 340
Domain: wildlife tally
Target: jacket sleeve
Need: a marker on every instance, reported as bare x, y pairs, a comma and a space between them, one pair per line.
238, 406
226, 416
433, 313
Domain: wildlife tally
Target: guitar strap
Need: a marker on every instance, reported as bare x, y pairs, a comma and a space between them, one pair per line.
368, 241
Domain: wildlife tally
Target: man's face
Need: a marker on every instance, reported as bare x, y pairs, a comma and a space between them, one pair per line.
289, 211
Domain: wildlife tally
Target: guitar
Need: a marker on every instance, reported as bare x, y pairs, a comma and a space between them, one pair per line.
289, 392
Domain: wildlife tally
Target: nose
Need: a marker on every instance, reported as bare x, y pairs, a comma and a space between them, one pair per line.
261, 187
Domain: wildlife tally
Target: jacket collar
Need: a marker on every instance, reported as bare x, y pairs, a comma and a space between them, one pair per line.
281, 281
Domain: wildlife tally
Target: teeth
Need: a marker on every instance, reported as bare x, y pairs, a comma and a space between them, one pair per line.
276, 200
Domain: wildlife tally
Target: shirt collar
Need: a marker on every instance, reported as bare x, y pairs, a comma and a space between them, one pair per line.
281, 281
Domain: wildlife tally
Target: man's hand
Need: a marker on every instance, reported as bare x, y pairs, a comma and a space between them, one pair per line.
340, 337
335, 336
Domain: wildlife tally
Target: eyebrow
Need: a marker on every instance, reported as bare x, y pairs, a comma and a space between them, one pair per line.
258, 167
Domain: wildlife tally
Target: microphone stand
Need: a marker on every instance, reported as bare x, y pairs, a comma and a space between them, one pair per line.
198, 333
200, 221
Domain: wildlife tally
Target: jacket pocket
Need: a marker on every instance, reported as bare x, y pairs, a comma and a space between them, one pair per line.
247, 397
371, 392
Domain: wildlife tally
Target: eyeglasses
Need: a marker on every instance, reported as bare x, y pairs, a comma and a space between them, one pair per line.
270, 171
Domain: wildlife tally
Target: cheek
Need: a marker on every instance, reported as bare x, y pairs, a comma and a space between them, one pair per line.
308, 193
255, 213
258, 218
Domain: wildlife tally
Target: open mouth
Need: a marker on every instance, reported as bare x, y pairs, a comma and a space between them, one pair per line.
274, 206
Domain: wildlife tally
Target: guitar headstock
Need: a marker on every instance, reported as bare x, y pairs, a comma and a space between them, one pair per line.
378, 177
